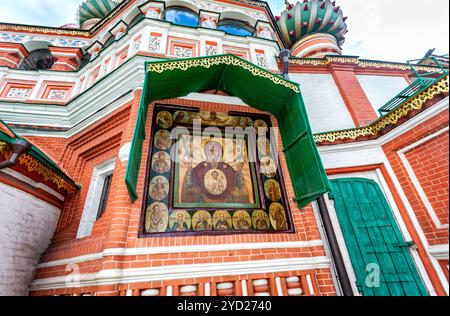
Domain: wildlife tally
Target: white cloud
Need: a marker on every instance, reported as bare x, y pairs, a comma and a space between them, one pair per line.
39, 12
395, 30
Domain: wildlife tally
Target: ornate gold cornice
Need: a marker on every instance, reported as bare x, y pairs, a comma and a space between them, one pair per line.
392, 118
255, 3
358, 62
185, 64
44, 30
33, 165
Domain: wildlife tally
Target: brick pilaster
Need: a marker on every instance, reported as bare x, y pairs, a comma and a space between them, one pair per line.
121, 204
353, 94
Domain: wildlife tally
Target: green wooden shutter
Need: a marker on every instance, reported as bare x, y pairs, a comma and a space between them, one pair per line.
255, 86
372, 236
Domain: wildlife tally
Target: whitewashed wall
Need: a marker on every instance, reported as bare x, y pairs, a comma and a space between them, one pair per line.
324, 104
381, 89
27, 225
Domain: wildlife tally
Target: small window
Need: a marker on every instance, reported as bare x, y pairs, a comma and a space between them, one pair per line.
97, 198
235, 27
181, 16
104, 196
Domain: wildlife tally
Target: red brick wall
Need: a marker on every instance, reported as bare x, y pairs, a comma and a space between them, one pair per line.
430, 164
119, 226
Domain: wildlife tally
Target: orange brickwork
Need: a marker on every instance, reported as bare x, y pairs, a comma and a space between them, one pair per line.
119, 226
429, 162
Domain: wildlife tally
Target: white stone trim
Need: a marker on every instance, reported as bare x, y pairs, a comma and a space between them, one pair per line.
179, 249
416, 183
439, 252
244, 287
310, 285
89, 215
177, 272
207, 289
279, 287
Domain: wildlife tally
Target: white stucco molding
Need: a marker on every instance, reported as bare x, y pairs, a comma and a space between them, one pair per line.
439, 252
181, 249
176, 272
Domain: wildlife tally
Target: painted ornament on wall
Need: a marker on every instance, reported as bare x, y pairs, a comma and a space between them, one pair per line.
159, 188
201, 183
242, 220
163, 140
157, 218
202, 221
260, 220
161, 162
180, 221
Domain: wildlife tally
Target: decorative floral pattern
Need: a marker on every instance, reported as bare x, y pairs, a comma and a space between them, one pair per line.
209, 22
180, 51
155, 43
153, 13
136, 46
357, 61
19, 93
261, 59
264, 32
20, 38
184, 65
211, 50
57, 94
391, 118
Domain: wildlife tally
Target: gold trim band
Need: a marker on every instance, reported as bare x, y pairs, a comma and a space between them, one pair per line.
416, 103
185, 64
45, 30
361, 63
34, 165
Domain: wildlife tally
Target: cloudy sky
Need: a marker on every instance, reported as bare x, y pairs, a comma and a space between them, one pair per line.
393, 30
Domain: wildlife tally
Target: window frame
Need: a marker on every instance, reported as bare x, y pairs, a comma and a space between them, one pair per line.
91, 209
236, 23
185, 9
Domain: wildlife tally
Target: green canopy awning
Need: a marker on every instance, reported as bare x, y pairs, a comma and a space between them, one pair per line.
256, 87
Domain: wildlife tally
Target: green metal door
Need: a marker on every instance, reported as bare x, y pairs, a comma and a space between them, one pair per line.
379, 254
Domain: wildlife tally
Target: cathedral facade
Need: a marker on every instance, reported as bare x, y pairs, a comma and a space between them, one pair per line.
211, 148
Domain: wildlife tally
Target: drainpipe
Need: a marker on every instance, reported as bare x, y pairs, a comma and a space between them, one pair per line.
284, 56
19, 147
342, 274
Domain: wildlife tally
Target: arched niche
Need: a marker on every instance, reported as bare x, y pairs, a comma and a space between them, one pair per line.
235, 15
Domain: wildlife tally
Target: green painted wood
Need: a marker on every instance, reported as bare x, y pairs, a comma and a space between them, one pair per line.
254, 86
372, 236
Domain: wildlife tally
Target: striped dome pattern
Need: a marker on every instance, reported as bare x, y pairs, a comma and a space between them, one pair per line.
95, 9
312, 16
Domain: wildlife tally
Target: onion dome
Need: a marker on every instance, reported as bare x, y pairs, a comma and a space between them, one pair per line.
95, 9
312, 17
